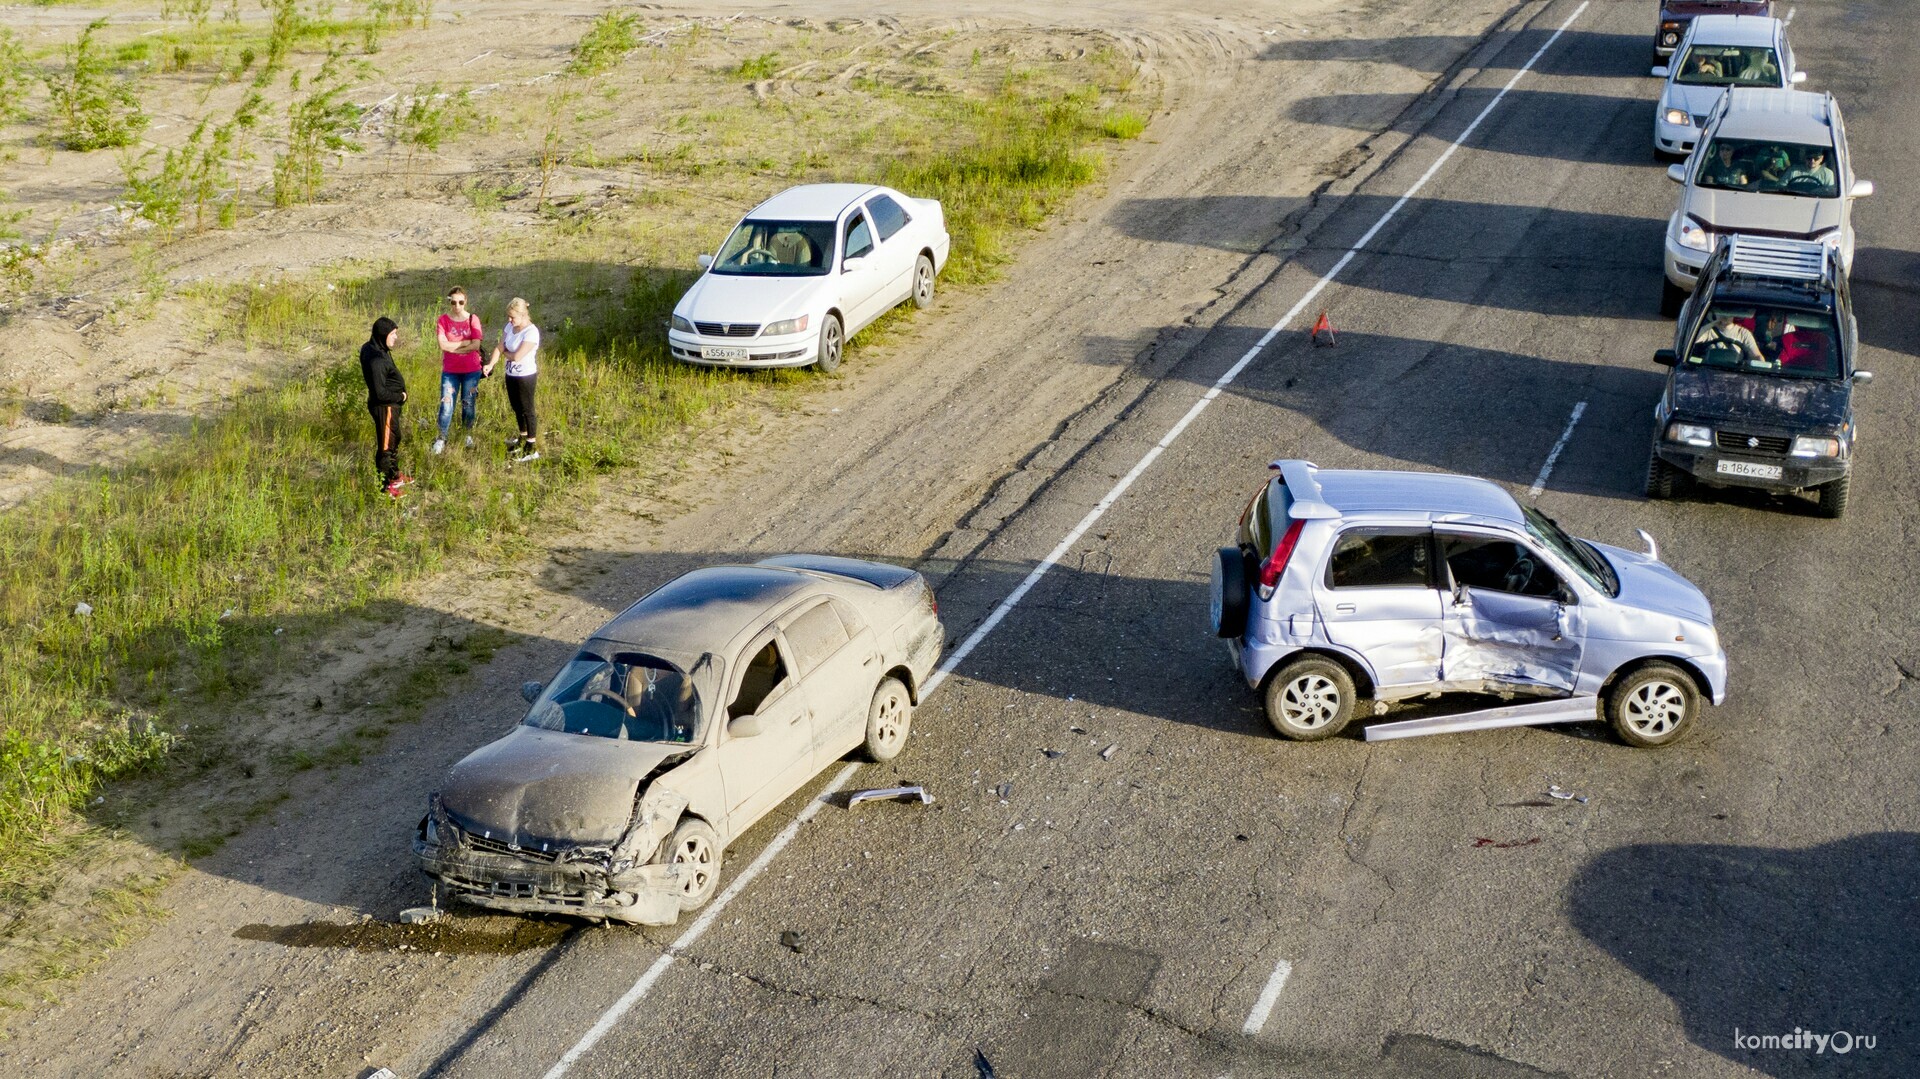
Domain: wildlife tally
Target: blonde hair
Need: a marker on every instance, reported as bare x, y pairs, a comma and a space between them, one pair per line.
519, 305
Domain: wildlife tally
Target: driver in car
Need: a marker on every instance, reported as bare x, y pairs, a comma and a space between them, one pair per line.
1815, 167
1726, 332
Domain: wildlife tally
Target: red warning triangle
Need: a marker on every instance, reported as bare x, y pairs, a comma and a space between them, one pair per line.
1323, 331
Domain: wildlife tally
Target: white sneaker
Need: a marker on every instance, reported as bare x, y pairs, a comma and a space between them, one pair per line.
439, 446
469, 442
530, 455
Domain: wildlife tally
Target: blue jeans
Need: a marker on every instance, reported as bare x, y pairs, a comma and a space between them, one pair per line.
468, 387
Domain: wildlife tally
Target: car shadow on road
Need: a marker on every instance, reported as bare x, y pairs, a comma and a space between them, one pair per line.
1585, 128
1767, 942
1578, 53
1886, 287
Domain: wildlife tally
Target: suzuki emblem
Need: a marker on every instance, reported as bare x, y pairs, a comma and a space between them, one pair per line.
1752, 442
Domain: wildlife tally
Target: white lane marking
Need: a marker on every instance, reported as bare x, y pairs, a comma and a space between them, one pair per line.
1788, 21
1264, 1006
1020, 591
1540, 481
693, 933
697, 929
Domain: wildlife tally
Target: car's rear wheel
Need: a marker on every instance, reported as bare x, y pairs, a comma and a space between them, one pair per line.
832, 342
889, 718
1655, 705
1833, 497
1672, 298
1663, 480
1311, 698
1229, 592
923, 283
695, 848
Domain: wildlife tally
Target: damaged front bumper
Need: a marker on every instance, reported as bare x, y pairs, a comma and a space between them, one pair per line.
596, 882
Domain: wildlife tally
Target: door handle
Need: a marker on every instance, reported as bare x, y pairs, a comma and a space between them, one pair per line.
1344, 608
805, 714
869, 661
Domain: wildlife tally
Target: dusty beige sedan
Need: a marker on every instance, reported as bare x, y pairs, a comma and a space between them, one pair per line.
677, 726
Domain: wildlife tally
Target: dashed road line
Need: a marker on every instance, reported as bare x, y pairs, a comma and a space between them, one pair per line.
652, 975
1540, 481
1263, 1007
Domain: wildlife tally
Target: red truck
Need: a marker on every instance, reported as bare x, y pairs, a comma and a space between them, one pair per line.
1676, 14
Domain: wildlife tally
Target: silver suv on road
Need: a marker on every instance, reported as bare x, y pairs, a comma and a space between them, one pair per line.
1348, 587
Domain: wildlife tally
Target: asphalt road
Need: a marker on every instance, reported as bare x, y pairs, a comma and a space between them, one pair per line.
1210, 900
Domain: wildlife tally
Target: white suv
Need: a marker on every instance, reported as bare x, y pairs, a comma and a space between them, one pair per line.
1770, 163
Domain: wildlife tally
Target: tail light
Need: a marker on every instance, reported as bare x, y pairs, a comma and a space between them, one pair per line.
1276, 563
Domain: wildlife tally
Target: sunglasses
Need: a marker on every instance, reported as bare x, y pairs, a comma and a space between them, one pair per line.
456, 303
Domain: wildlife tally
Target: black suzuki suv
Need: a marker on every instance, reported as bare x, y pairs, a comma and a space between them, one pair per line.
1761, 388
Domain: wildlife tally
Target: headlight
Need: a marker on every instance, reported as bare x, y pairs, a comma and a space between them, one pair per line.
792, 325
1692, 235
1692, 434
1669, 34
1679, 118
682, 324
1816, 447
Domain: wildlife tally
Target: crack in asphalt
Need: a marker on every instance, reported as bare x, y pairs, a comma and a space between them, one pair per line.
819, 999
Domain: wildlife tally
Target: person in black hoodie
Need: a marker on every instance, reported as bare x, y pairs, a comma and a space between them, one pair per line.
386, 392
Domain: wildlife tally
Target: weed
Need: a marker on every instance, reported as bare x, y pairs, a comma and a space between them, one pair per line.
612, 36
553, 139
197, 175
195, 11
428, 119
1125, 124
15, 78
755, 68
284, 28
93, 108
487, 196
318, 124
381, 14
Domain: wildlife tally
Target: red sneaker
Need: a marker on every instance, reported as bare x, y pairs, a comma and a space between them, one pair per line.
394, 490
402, 480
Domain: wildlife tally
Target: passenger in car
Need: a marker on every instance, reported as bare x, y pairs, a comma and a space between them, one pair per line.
1772, 333
1723, 168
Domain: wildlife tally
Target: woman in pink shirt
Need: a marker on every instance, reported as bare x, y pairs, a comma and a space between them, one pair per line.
460, 363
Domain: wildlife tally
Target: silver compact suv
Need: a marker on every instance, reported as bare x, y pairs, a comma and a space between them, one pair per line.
1348, 590
1768, 163
1718, 51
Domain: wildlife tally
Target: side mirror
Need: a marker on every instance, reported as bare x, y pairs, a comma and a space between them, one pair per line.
746, 727
1677, 173
1797, 78
1861, 189
1863, 377
531, 691
1667, 357
1661, 72
853, 263
705, 261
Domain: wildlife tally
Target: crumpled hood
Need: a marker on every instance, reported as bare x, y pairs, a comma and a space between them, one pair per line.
536, 785
1794, 403
1751, 211
733, 298
1654, 586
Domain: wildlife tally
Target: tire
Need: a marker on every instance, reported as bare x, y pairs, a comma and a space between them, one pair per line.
696, 845
1310, 699
1663, 480
1672, 298
832, 343
1653, 706
1229, 592
1833, 498
889, 719
923, 283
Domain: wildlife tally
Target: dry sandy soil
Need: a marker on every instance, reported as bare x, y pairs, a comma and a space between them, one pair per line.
915, 455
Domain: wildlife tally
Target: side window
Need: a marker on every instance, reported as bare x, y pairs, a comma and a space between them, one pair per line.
764, 675
1498, 565
815, 635
859, 237
888, 217
1380, 558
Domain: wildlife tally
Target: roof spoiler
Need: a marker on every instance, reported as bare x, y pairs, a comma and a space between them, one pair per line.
1307, 502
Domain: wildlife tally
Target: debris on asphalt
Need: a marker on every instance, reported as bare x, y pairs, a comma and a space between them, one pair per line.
380, 1073
83, 609
421, 915
1107, 753
982, 1067
1053, 754
790, 940
1077, 730
1554, 791
1485, 841
903, 794
1004, 790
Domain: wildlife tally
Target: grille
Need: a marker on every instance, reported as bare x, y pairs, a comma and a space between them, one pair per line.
1735, 440
494, 846
1700, 120
727, 329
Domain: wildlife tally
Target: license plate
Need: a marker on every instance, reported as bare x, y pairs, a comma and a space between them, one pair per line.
712, 352
1749, 469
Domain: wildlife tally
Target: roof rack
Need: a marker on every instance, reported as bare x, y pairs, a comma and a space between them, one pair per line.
1776, 259
1308, 503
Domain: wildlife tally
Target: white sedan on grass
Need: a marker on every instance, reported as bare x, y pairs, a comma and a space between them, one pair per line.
806, 270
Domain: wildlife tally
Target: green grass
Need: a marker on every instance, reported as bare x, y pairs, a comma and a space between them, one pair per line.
267, 515
612, 36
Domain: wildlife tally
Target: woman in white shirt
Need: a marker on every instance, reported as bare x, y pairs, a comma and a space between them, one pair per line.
520, 344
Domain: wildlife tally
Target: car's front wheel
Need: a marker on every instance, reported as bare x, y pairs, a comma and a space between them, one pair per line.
1311, 698
694, 848
833, 341
1662, 478
1833, 497
1653, 706
923, 283
889, 718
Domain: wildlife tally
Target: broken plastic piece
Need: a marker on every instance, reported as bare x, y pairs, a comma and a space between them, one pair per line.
903, 794
1487, 841
790, 940
421, 915
83, 609
379, 1073
1107, 753
1005, 790
1053, 754
1533, 713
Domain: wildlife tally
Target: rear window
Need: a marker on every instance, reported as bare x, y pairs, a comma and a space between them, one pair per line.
1256, 527
888, 217
1381, 558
